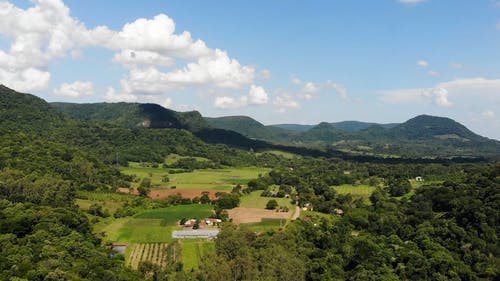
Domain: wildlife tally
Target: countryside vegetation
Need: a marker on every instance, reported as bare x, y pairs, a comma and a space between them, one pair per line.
95, 192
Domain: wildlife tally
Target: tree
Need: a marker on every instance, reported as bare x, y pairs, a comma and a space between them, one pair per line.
271, 204
144, 187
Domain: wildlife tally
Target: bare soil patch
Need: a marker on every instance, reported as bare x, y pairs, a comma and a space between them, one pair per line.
249, 215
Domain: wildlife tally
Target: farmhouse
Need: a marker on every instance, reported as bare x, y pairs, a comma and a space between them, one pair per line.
196, 233
189, 223
211, 221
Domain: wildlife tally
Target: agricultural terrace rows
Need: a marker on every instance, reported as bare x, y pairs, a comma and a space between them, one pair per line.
153, 252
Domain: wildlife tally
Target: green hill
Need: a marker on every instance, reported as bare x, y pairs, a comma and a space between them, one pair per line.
425, 127
250, 128
355, 126
132, 115
422, 136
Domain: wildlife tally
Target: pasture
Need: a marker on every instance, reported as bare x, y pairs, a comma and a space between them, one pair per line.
265, 225
208, 179
286, 155
110, 201
192, 251
357, 191
254, 200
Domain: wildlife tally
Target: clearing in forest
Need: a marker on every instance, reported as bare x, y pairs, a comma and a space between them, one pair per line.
357, 191
206, 179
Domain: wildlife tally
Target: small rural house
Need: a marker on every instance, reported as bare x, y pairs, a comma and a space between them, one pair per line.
211, 221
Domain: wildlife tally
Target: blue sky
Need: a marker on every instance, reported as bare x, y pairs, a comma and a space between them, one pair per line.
276, 61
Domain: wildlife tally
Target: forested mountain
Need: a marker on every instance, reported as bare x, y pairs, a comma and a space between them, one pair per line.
293, 127
422, 136
250, 127
132, 115
348, 126
354, 126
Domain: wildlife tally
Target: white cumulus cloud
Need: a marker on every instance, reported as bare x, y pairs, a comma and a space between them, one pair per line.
130, 58
75, 90
46, 31
461, 91
257, 95
112, 96
285, 101
228, 102
25, 80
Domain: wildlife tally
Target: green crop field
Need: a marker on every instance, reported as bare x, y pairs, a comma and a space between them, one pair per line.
216, 179
171, 215
254, 200
134, 230
151, 226
357, 191
193, 250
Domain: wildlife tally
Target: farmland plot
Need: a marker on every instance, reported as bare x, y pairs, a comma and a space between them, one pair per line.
153, 252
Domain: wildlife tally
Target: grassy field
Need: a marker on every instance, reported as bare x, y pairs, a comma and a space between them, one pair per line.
216, 179
171, 215
110, 201
254, 200
172, 158
193, 250
284, 154
152, 226
264, 225
359, 191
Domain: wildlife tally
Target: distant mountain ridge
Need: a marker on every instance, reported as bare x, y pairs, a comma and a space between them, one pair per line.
349, 126
420, 136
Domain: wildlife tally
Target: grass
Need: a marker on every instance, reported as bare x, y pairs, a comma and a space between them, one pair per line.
265, 225
357, 191
110, 201
138, 231
314, 214
171, 215
210, 179
193, 250
284, 154
254, 200
152, 226
172, 158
